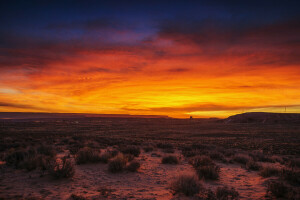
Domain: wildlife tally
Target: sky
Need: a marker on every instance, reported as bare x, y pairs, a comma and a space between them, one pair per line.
175, 58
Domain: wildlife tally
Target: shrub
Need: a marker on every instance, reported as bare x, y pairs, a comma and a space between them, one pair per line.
268, 171
198, 161
133, 166
87, 155
217, 156
224, 193
168, 150
188, 185
164, 146
291, 175
148, 149
169, 160
134, 150
22, 159
252, 165
117, 164
241, 158
210, 172
260, 156
105, 157
77, 197
64, 170
294, 163
278, 189
47, 150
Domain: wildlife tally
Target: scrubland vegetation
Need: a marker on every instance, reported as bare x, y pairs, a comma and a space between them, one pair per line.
139, 149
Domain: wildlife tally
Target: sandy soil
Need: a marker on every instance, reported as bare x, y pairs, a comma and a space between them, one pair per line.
151, 182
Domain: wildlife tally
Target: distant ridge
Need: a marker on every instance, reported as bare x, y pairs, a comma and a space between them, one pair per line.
25, 115
264, 117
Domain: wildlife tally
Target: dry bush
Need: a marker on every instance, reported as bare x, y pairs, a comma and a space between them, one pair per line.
104, 158
129, 157
260, 156
22, 158
291, 175
224, 193
188, 185
241, 158
163, 145
198, 161
217, 156
134, 150
77, 197
209, 172
148, 149
65, 169
277, 188
252, 165
168, 150
267, 171
47, 150
205, 167
117, 164
294, 163
169, 160
133, 166
87, 155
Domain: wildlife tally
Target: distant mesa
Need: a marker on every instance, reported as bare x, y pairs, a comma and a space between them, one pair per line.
264, 118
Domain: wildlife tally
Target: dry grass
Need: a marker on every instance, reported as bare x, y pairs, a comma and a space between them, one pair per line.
252, 165
209, 172
225, 193
188, 185
267, 171
170, 160
117, 164
65, 169
133, 150
133, 166
87, 155
241, 158
277, 189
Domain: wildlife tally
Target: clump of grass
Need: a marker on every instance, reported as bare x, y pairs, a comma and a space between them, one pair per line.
87, 155
268, 171
163, 145
148, 149
241, 158
277, 188
47, 150
252, 165
22, 158
77, 197
117, 164
169, 150
291, 175
224, 193
65, 169
104, 158
260, 156
216, 155
210, 172
170, 160
205, 167
134, 150
133, 166
188, 185
198, 161
294, 163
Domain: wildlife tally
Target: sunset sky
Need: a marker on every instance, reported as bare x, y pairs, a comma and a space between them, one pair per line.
175, 58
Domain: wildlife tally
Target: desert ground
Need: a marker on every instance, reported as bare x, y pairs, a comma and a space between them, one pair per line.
148, 158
